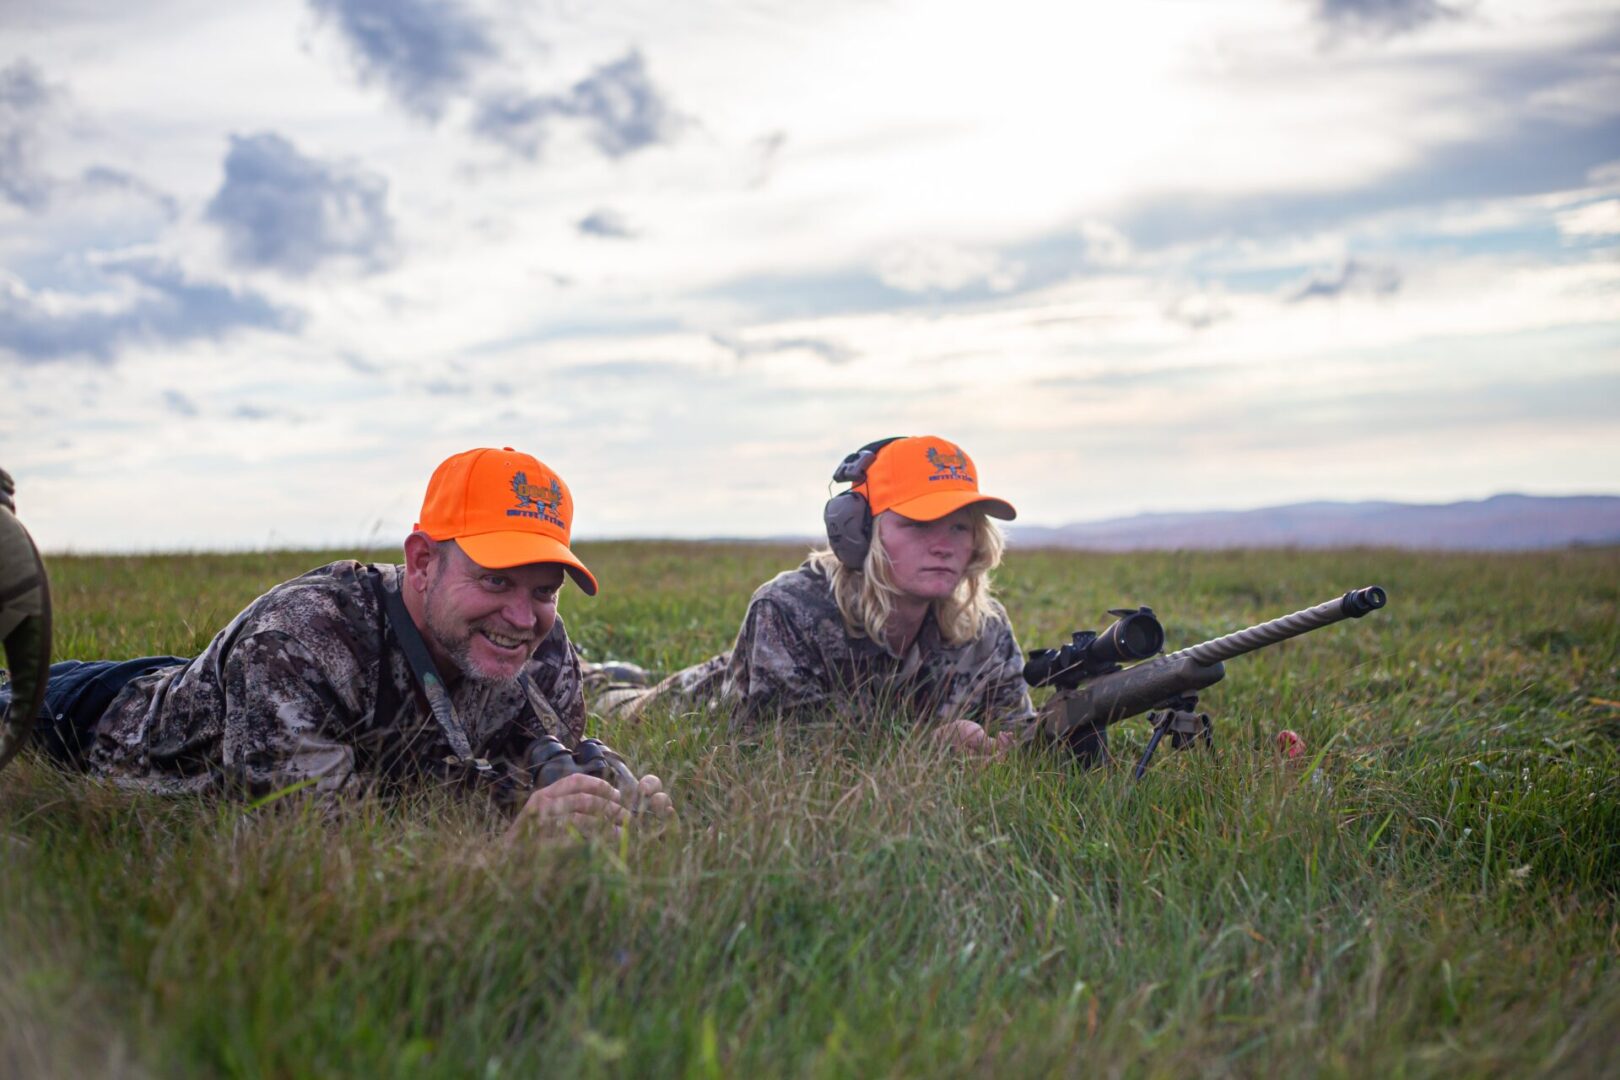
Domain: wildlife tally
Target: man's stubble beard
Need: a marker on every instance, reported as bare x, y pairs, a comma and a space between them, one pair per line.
459, 649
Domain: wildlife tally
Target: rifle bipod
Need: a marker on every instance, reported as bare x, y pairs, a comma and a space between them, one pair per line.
1176, 719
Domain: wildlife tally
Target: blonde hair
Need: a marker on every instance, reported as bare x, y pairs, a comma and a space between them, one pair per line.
866, 597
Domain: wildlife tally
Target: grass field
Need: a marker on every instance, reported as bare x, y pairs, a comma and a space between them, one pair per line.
1431, 890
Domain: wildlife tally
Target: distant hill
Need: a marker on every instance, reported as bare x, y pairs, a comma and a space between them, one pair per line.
1500, 523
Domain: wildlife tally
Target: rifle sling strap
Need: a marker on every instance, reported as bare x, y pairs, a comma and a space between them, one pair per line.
427, 675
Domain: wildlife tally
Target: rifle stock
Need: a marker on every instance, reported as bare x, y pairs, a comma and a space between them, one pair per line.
1107, 699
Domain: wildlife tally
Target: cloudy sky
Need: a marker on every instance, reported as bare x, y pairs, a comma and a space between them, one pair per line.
262, 266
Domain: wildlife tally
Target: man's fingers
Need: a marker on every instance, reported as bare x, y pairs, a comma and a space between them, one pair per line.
589, 823
964, 735
576, 783
576, 795
653, 798
585, 804
593, 805
588, 803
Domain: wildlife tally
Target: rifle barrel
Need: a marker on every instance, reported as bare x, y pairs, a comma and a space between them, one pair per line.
1352, 605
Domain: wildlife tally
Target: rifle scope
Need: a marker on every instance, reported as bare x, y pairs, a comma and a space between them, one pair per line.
1135, 635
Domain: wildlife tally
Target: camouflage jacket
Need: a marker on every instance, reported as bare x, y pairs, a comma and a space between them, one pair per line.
794, 653
309, 684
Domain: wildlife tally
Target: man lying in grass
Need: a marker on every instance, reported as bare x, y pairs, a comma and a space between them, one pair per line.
897, 613
323, 682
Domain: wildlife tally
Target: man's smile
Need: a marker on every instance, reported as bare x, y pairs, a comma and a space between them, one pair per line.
503, 641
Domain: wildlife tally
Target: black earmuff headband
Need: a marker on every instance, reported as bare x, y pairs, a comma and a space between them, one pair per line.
848, 516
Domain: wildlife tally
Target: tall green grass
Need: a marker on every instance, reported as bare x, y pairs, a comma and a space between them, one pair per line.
1431, 890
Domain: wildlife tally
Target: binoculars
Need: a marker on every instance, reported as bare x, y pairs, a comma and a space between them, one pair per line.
548, 761
1135, 635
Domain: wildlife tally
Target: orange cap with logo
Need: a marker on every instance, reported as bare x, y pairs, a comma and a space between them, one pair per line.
504, 508
924, 478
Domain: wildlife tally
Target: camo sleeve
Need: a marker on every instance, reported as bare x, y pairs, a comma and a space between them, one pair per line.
983, 679
286, 713
773, 667
1007, 705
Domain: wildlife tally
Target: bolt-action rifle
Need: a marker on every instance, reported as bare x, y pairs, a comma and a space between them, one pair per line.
1094, 690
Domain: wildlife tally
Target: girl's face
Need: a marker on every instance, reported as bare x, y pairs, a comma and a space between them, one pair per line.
928, 558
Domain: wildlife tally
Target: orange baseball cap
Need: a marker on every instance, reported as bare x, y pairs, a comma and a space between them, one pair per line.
505, 509
924, 478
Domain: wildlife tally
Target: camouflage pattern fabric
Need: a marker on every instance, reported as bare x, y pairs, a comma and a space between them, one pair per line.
290, 692
794, 654
25, 628
21, 596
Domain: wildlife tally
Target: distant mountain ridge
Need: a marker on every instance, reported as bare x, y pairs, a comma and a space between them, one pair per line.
1499, 523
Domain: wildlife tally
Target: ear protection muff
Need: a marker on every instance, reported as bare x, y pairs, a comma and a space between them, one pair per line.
848, 515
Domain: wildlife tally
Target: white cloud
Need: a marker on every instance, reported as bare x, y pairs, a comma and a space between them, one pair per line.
1594, 219
924, 267
1041, 241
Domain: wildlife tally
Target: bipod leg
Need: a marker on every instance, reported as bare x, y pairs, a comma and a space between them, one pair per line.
1160, 726
1176, 719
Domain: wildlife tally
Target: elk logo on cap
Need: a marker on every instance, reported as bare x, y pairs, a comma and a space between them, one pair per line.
951, 466
534, 500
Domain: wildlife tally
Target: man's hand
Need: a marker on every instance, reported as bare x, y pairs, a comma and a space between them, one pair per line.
653, 799
583, 803
969, 737
586, 804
